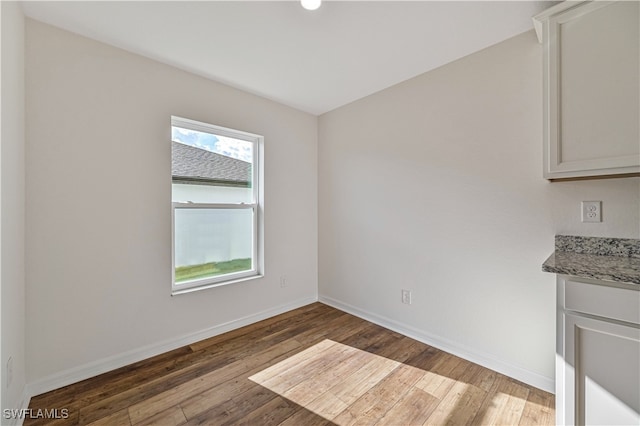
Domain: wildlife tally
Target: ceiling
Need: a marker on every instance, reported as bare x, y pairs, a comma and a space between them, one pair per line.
314, 61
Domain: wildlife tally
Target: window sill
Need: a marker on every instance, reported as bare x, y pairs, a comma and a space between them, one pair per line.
213, 285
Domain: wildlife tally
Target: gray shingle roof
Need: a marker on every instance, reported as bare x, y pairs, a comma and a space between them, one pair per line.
189, 163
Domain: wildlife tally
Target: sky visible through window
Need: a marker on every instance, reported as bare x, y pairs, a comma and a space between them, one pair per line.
230, 147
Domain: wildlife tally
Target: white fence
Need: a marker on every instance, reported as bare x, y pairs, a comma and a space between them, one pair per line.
207, 235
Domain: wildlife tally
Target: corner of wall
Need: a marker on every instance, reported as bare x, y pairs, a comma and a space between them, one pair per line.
14, 395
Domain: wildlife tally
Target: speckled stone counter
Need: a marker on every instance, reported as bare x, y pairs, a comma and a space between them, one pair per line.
608, 259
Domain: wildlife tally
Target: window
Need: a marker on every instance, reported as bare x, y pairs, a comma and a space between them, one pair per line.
216, 204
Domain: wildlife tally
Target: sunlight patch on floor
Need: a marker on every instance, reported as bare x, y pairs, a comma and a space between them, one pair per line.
342, 384
506, 406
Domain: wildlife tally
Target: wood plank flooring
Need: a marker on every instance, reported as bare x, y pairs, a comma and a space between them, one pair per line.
312, 366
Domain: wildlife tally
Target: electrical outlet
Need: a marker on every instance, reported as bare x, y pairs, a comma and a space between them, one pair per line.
406, 297
283, 281
9, 371
592, 211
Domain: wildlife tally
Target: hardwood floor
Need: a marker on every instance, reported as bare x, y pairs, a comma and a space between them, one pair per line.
312, 366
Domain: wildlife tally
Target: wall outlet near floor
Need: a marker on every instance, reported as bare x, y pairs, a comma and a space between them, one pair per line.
283, 281
406, 297
9, 371
592, 211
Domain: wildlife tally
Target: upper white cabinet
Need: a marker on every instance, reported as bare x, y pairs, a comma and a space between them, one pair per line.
591, 88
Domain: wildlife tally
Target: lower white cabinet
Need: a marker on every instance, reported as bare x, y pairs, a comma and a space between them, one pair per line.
598, 353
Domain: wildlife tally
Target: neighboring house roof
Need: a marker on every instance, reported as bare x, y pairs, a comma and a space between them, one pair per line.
197, 165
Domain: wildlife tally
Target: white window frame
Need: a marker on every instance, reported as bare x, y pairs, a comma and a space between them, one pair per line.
256, 206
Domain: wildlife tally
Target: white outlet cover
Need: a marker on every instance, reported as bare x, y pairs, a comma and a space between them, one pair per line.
9, 371
406, 297
592, 211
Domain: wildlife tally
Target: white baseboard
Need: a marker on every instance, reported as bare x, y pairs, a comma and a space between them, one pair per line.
104, 365
92, 369
486, 360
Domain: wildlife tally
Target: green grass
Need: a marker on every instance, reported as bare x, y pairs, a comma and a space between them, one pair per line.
212, 269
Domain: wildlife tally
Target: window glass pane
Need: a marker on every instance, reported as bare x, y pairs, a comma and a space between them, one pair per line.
212, 242
214, 171
210, 168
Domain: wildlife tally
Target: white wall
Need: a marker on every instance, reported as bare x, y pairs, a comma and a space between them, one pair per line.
435, 185
12, 190
99, 206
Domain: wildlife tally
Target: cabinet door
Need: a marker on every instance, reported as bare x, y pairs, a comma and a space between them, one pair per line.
592, 90
601, 372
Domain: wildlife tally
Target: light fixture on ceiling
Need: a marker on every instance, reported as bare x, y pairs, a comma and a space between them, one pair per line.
311, 4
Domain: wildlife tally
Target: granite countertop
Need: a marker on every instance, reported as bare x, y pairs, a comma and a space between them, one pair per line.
608, 259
